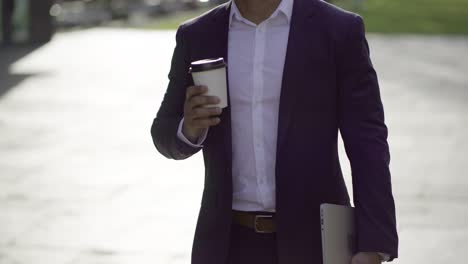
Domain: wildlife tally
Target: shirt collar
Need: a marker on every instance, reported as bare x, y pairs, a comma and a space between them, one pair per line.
285, 7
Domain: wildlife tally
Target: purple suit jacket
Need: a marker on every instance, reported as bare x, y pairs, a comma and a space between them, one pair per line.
329, 84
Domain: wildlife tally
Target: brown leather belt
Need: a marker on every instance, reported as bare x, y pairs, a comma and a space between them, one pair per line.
260, 222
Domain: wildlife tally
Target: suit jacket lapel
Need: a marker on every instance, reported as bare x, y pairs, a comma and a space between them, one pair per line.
220, 46
294, 75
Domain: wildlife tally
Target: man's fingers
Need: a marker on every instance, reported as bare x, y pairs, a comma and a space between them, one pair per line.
205, 122
201, 112
202, 100
197, 116
195, 90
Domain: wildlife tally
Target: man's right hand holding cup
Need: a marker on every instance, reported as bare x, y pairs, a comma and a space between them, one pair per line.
198, 117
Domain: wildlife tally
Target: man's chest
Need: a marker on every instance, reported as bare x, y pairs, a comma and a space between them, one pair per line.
256, 57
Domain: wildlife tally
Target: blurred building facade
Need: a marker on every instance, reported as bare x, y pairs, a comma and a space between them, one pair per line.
25, 21
34, 21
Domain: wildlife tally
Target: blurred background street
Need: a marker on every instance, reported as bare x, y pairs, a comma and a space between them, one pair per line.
80, 179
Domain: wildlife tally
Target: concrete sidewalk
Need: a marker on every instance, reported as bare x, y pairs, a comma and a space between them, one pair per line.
82, 183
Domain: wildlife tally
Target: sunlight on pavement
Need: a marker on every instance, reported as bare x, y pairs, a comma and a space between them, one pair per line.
82, 182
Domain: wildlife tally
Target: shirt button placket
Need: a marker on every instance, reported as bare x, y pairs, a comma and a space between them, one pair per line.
256, 66
260, 46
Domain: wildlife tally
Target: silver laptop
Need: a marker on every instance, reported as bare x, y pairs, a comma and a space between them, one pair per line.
338, 233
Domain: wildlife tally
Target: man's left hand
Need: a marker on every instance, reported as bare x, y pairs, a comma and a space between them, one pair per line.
366, 258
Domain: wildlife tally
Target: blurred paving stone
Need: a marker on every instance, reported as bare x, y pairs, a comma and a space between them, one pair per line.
34, 255
425, 90
82, 183
105, 258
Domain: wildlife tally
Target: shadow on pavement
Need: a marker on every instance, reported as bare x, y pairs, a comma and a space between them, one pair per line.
8, 56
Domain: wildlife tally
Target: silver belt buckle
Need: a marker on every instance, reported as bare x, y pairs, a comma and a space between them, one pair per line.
257, 230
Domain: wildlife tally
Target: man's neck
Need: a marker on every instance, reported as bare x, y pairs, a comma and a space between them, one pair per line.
257, 11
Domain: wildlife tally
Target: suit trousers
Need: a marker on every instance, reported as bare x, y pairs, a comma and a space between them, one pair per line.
248, 247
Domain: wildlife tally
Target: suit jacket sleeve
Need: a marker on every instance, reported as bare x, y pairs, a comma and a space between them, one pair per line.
362, 126
165, 125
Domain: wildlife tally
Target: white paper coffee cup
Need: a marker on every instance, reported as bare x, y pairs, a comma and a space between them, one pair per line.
212, 74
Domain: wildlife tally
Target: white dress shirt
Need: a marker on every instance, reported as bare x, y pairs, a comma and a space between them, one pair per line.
256, 55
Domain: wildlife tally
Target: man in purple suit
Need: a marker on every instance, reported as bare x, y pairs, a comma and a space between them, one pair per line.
298, 71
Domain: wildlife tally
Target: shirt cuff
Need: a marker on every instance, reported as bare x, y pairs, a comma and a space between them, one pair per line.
184, 139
